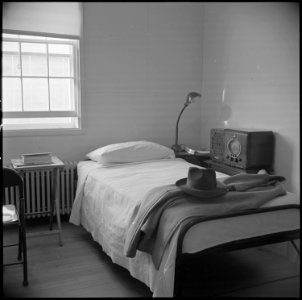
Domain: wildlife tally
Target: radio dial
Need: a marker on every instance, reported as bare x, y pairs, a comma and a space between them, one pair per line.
234, 147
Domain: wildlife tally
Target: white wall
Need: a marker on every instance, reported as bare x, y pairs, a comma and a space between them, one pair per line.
251, 50
138, 62
141, 60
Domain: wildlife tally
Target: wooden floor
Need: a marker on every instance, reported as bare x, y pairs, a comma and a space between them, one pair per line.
81, 269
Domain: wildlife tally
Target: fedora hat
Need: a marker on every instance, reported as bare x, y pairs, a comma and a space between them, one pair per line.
201, 183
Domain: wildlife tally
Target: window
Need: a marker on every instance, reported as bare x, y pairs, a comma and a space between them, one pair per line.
40, 82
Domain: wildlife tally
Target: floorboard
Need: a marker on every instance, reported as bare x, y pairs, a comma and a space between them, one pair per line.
81, 269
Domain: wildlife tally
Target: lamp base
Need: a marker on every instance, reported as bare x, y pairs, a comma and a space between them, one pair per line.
177, 148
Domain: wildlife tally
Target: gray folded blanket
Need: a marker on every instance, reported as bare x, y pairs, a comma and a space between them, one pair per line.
165, 208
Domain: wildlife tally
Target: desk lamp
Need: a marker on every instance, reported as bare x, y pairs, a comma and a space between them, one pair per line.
190, 99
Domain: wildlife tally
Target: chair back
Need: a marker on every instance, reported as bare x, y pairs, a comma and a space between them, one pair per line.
11, 179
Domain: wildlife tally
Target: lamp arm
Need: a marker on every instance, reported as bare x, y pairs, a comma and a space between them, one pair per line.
176, 129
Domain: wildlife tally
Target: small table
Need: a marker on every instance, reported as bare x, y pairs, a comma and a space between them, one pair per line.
229, 170
54, 166
194, 158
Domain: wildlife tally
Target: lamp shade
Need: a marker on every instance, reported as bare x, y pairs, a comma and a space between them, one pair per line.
192, 97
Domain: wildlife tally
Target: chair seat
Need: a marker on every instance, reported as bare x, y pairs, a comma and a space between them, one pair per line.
9, 214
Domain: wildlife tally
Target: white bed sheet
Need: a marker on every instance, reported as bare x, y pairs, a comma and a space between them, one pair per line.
105, 199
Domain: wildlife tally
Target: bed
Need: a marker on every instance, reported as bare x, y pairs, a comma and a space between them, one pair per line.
110, 190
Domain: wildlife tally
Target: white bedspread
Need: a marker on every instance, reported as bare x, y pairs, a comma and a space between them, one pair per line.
104, 202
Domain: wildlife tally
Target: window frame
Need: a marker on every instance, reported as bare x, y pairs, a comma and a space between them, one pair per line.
77, 112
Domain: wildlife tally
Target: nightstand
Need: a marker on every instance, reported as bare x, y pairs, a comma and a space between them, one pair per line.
196, 158
54, 166
223, 168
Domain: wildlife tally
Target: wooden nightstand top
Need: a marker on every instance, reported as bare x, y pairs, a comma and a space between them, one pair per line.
196, 159
223, 168
199, 153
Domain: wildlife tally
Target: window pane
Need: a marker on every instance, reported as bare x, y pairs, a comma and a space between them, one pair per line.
34, 60
60, 66
10, 58
11, 94
34, 65
10, 47
11, 65
60, 60
61, 94
33, 48
60, 49
35, 92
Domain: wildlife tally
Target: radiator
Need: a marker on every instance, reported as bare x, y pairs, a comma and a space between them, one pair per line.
38, 186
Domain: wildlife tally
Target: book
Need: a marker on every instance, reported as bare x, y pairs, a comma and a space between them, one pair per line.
36, 158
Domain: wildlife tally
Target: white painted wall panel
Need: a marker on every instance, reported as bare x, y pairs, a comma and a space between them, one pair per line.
252, 51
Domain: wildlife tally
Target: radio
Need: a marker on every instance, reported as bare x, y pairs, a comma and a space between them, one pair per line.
244, 148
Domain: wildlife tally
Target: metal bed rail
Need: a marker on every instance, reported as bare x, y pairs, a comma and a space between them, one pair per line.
267, 239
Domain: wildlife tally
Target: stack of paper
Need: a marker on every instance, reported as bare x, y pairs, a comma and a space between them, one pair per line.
36, 158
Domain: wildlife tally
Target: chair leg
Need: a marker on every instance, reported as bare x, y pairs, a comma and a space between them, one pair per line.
24, 249
20, 244
25, 281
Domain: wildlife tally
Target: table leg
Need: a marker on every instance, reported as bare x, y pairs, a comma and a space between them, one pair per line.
58, 210
53, 196
55, 201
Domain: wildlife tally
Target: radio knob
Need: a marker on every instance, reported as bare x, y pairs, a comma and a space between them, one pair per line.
236, 159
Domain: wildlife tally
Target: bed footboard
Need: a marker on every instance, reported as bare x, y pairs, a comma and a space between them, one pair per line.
266, 239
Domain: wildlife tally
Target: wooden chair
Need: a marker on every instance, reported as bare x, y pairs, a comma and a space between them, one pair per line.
15, 215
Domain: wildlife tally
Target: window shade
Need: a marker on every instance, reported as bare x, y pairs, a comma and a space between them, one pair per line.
46, 17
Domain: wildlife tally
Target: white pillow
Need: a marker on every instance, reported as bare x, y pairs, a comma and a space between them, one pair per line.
130, 152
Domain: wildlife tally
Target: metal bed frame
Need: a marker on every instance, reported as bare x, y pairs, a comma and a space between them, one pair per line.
182, 258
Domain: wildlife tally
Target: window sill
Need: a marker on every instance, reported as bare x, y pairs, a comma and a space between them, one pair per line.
41, 132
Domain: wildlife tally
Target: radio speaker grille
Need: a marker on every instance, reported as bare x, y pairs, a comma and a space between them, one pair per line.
217, 144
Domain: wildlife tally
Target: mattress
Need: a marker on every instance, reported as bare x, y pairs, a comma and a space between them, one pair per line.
105, 199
